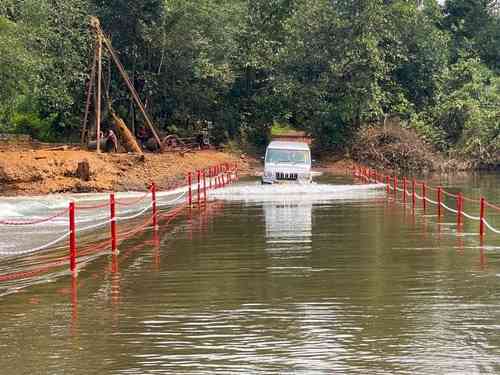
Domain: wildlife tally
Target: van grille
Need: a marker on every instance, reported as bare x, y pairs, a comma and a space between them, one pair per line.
286, 176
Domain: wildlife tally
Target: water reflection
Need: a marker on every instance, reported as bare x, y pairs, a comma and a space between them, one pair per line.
288, 223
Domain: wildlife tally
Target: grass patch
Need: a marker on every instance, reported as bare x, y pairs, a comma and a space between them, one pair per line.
281, 129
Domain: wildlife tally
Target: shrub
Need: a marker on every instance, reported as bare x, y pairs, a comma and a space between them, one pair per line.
393, 147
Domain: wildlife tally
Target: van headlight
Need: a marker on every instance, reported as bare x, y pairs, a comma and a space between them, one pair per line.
268, 174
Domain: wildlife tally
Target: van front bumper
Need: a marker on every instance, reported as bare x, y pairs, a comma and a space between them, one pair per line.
298, 180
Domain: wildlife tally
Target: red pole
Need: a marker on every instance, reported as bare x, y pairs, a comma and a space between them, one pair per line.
204, 187
190, 192
210, 175
153, 198
222, 176
112, 210
405, 183
482, 212
424, 195
72, 238
459, 209
396, 186
414, 197
198, 176
439, 199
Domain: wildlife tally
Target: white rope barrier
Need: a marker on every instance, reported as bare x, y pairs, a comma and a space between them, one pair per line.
490, 227
448, 208
98, 221
431, 201
34, 222
173, 200
95, 226
121, 218
477, 218
98, 225
92, 219
413, 193
34, 250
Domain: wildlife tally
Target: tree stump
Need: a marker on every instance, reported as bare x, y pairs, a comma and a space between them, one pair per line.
83, 170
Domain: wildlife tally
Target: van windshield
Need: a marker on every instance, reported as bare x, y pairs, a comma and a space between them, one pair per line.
287, 156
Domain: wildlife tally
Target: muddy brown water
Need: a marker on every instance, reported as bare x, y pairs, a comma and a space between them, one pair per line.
274, 283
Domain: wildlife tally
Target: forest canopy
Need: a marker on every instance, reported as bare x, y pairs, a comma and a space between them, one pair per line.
329, 67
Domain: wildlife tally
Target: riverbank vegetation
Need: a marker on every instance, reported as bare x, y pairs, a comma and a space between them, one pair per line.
330, 68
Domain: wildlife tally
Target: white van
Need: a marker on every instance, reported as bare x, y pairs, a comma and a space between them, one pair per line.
287, 161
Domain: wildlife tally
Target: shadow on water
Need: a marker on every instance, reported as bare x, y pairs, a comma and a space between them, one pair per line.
309, 280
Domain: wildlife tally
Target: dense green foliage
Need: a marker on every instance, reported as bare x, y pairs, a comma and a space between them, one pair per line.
328, 67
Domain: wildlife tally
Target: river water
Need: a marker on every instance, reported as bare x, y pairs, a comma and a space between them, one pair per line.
333, 278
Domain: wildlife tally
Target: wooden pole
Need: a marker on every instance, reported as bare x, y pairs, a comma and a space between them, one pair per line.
89, 97
98, 100
131, 88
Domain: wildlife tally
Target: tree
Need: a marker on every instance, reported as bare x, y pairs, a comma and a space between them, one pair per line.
46, 46
424, 52
475, 27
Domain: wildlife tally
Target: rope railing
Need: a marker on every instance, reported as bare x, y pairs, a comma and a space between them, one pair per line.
94, 207
410, 187
214, 177
35, 249
492, 206
34, 221
133, 202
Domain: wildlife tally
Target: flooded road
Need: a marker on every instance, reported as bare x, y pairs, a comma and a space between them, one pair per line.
272, 281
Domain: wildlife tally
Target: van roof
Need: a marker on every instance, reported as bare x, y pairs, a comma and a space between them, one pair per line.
282, 145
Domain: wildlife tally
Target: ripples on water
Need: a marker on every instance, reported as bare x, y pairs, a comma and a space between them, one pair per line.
312, 280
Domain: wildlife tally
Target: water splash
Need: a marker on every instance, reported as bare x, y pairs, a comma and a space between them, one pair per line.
256, 192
